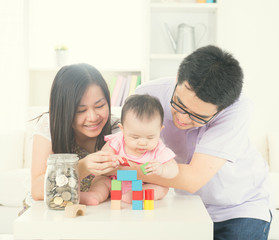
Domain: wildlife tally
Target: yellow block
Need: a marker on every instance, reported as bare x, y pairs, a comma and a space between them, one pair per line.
148, 204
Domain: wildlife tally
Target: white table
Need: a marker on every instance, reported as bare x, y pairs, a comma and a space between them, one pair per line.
174, 217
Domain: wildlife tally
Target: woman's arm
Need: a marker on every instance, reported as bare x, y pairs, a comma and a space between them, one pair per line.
191, 177
40, 151
97, 163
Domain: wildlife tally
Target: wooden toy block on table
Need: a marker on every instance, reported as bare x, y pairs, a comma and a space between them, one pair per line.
137, 195
116, 194
115, 185
148, 204
75, 210
137, 204
137, 192
149, 194
126, 175
148, 199
137, 185
115, 204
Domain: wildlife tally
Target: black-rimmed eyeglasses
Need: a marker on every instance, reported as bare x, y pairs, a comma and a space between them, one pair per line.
183, 111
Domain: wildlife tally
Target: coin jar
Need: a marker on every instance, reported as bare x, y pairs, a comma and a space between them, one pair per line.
61, 181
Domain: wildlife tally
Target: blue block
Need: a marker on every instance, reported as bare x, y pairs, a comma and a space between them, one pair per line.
137, 185
137, 205
126, 175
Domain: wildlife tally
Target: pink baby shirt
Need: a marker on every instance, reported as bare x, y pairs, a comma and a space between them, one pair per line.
161, 153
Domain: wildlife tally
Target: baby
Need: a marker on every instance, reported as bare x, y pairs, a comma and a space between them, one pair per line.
138, 141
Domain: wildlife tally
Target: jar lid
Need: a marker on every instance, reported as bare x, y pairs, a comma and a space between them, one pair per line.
62, 158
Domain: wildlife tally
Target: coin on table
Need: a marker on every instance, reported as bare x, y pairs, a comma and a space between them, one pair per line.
58, 200
61, 180
66, 196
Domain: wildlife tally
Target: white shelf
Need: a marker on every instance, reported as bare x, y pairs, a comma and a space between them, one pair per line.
167, 56
160, 57
189, 7
56, 69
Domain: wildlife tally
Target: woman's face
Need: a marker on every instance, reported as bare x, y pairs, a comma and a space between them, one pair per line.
92, 113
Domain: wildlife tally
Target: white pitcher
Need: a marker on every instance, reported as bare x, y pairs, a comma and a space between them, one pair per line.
185, 42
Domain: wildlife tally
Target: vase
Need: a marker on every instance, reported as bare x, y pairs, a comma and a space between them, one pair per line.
61, 57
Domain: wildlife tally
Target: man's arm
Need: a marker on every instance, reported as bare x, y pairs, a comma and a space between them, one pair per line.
191, 177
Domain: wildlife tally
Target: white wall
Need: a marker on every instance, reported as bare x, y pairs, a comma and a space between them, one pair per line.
13, 65
105, 33
250, 30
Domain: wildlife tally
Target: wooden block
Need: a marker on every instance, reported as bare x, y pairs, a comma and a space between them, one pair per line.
137, 185
126, 175
125, 162
148, 204
75, 210
149, 194
137, 195
115, 204
142, 167
115, 185
137, 204
116, 195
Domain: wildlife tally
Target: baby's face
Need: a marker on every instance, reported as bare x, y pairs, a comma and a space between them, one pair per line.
141, 136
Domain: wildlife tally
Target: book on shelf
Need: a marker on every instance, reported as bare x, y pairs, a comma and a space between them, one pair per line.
121, 86
138, 81
116, 90
120, 94
133, 85
127, 89
111, 84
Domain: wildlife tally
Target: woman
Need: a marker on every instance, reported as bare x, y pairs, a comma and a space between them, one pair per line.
78, 119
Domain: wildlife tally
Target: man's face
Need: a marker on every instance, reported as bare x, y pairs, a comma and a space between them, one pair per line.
185, 99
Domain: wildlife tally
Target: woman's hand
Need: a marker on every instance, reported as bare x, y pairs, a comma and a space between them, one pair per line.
98, 163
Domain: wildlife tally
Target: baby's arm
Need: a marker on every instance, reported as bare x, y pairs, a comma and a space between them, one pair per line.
108, 148
165, 170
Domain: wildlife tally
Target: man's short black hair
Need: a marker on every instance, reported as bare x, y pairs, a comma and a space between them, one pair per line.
213, 74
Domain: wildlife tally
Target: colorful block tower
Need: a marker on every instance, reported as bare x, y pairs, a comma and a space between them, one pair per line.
137, 197
116, 194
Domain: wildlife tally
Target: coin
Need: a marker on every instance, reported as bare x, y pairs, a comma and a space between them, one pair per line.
66, 196
58, 200
72, 182
61, 180
69, 204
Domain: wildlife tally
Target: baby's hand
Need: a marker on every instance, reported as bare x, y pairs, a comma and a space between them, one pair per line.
154, 167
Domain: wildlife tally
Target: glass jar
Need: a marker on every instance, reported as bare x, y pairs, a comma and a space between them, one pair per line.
61, 181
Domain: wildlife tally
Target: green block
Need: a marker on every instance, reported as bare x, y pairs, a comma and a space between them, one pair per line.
115, 185
142, 168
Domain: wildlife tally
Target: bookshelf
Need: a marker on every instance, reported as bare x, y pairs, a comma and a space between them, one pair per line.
160, 58
40, 81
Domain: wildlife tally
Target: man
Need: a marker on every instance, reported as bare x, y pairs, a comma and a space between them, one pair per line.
206, 125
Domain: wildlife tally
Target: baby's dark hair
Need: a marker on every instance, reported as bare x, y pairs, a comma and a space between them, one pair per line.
144, 106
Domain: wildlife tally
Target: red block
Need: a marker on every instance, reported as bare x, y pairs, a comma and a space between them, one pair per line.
137, 195
149, 194
116, 195
125, 162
